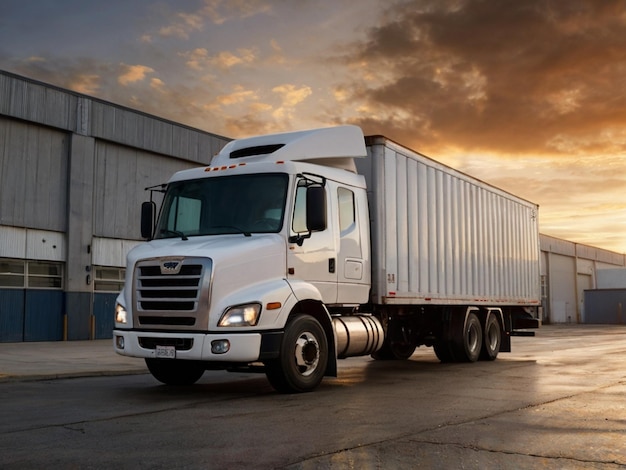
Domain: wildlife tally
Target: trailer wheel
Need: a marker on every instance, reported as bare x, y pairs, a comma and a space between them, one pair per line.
303, 357
468, 339
175, 372
492, 336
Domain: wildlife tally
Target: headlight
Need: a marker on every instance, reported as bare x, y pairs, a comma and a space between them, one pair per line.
241, 315
120, 314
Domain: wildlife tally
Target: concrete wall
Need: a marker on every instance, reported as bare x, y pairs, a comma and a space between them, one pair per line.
612, 278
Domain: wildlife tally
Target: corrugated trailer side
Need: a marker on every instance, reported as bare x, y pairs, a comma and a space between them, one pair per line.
441, 237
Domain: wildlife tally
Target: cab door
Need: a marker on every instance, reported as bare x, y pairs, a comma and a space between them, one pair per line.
312, 254
353, 263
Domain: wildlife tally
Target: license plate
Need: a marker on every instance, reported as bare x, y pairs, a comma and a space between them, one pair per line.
166, 352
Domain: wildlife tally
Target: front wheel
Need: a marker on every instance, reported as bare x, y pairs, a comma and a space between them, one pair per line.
175, 371
303, 357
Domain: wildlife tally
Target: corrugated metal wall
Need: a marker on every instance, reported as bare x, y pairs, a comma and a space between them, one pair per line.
33, 176
34, 244
121, 174
135, 129
36, 102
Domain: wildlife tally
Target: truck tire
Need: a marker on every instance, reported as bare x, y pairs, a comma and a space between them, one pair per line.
175, 372
303, 357
492, 337
468, 339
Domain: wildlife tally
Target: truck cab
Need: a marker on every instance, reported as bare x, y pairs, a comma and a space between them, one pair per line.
247, 260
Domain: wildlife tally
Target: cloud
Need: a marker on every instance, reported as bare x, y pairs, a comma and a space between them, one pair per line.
220, 11
88, 84
239, 95
199, 58
292, 95
183, 26
157, 84
133, 73
506, 75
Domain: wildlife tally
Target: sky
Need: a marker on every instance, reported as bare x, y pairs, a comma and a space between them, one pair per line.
527, 95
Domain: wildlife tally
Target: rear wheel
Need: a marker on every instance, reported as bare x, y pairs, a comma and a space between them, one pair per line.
303, 357
468, 339
174, 371
492, 336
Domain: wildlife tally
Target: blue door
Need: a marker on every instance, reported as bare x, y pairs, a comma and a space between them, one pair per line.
103, 310
43, 315
11, 315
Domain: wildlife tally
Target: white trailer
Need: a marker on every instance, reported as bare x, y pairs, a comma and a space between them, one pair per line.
448, 244
264, 261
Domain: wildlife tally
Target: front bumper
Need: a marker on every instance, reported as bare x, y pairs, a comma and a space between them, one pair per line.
244, 347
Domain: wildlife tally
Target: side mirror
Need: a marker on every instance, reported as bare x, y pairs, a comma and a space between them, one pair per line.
316, 208
148, 213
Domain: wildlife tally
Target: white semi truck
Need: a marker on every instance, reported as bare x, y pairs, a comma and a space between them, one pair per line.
293, 250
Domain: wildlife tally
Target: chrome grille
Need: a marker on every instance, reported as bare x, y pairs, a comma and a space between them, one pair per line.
157, 291
172, 293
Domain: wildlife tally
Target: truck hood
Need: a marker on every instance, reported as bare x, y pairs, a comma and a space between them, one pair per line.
222, 249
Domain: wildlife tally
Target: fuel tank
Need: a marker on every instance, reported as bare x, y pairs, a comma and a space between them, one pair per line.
358, 335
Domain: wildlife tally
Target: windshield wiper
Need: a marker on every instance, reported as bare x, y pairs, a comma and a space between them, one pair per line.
239, 230
174, 232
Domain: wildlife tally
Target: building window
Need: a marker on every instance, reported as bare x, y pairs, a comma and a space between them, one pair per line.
45, 275
11, 273
31, 274
109, 279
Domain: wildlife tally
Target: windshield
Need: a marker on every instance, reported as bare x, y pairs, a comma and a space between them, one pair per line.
228, 204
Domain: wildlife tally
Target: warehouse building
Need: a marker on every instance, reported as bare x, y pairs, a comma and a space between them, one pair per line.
72, 175
568, 271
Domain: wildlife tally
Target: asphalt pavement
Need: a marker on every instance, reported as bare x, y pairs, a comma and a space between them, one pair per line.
63, 359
